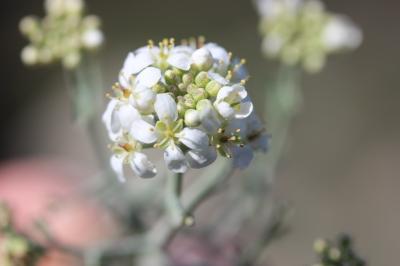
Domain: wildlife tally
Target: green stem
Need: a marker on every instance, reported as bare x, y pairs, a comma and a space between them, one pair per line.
174, 206
282, 105
207, 184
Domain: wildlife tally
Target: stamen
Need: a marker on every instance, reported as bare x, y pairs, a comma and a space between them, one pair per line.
171, 43
229, 75
201, 41
150, 44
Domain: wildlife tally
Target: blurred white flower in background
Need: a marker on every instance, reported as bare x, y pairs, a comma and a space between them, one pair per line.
187, 100
61, 35
303, 32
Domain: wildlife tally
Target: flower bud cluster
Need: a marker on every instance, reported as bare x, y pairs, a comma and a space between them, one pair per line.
14, 248
302, 32
338, 253
188, 100
61, 35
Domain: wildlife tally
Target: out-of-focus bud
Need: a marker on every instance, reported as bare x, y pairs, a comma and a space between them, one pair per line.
29, 55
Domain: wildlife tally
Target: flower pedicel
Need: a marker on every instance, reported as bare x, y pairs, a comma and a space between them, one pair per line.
188, 100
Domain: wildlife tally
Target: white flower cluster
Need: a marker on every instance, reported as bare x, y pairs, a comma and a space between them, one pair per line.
61, 34
303, 32
188, 100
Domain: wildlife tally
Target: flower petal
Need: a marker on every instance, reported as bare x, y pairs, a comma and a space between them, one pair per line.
245, 109
201, 158
117, 164
180, 60
143, 131
143, 98
240, 90
242, 156
224, 92
142, 166
175, 159
111, 120
193, 138
126, 115
149, 77
165, 107
225, 110
218, 53
208, 116
218, 78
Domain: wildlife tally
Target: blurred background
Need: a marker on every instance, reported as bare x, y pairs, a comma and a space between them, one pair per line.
342, 169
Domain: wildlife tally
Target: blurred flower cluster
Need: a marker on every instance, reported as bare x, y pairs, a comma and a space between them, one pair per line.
15, 249
61, 35
188, 100
338, 253
303, 32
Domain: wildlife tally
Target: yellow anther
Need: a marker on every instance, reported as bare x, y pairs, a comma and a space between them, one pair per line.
201, 41
230, 55
150, 43
229, 75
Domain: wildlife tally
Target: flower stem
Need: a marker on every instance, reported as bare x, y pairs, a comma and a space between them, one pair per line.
174, 206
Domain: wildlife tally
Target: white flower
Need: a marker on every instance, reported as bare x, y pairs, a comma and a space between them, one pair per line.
186, 100
118, 117
222, 59
341, 33
169, 133
230, 102
133, 64
92, 38
62, 35
127, 151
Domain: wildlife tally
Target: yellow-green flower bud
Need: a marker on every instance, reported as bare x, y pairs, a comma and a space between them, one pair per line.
213, 88
202, 79
189, 101
169, 76
159, 88
320, 246
199, 94
187, 79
